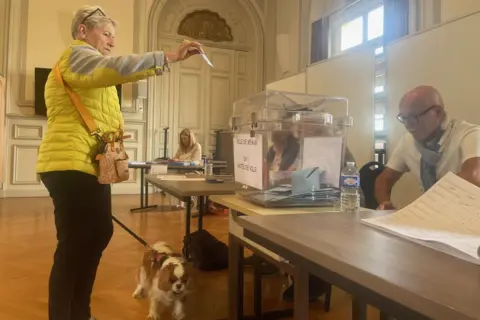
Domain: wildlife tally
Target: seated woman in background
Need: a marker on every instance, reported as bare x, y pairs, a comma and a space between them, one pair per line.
188, 148
282, 156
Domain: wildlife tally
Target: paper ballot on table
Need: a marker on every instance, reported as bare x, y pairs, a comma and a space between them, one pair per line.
448, 213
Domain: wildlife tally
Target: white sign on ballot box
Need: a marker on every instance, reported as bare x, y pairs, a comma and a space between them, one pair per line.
247, 154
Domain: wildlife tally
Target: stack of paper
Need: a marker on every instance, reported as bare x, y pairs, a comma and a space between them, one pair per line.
448, 213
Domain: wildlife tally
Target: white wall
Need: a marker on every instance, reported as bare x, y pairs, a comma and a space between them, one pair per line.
284, 33
351, 76
3, 33
296, 83
452, 9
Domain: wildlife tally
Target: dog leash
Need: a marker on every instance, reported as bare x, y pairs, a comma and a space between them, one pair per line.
136, 236
133, 234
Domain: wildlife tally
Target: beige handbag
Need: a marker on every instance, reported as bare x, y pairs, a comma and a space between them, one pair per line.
112, 158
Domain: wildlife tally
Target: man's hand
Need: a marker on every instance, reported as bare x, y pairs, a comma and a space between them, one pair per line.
471, 171
386, 205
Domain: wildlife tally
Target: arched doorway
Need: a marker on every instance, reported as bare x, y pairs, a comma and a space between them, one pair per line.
194, 95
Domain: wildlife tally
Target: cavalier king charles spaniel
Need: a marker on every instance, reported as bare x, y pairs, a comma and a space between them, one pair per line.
163, 279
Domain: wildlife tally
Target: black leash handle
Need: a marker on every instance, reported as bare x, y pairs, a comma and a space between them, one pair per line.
133, 234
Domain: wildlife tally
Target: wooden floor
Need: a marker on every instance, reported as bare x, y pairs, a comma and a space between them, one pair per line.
27, 242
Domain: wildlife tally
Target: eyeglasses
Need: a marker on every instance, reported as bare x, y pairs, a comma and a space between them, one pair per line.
92, 13
414, 118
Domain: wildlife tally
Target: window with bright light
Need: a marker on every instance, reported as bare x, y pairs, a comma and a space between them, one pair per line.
379, 122
368, 26
352, 34
375, 23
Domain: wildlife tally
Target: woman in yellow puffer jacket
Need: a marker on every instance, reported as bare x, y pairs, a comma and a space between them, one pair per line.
66, 164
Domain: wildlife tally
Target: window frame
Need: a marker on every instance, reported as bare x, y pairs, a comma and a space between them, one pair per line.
360, 9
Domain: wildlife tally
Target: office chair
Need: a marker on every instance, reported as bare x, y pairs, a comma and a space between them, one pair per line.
368, 174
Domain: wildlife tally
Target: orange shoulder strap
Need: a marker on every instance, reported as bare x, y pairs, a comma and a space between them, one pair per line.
82, 110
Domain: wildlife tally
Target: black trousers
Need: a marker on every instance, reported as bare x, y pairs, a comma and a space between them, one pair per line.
83, 219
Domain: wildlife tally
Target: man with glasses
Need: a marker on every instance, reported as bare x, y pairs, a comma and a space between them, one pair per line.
434, 145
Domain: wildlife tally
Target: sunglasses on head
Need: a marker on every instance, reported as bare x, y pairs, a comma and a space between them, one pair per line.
92, 13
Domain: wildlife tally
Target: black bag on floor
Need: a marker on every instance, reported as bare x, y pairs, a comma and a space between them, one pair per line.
206, 252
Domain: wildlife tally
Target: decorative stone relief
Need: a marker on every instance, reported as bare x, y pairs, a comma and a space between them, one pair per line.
205, 25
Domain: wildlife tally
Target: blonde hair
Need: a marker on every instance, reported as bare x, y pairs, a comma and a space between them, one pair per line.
192, 140
86, 16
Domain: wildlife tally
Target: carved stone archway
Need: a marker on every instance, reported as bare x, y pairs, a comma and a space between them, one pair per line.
256, 18
205, 25
165, 17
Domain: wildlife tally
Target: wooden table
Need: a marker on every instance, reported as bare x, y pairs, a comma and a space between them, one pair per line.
405, 279
185, 189
239, 207
145, 168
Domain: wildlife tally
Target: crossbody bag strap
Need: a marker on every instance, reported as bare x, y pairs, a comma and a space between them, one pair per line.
82, 110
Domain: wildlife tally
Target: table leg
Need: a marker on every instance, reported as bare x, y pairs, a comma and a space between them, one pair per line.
143, 193
142, 182
146, 189
300, 303
201, 211
235, 279
359, 309
257, 290
188, 211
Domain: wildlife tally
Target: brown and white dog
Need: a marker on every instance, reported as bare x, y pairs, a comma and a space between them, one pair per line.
163, 279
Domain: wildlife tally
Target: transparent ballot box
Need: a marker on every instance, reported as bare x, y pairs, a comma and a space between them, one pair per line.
289, 148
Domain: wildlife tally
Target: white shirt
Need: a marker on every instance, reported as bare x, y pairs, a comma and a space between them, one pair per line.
195, 154
464, 145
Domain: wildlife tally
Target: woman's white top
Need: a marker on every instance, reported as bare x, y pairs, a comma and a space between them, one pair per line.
194, 154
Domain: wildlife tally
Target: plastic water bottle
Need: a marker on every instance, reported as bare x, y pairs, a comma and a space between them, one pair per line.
350, 184
205, 165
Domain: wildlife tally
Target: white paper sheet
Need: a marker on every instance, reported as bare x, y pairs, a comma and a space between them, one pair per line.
247, 155
447, 213
324, 153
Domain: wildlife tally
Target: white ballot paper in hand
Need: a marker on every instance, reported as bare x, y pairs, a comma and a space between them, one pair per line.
448, 214
204, 56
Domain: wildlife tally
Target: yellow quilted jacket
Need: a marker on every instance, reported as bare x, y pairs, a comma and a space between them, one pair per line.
67, 145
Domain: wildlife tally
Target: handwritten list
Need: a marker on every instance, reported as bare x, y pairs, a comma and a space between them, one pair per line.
448, 213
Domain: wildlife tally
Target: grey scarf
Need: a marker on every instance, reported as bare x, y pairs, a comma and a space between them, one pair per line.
431, 153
